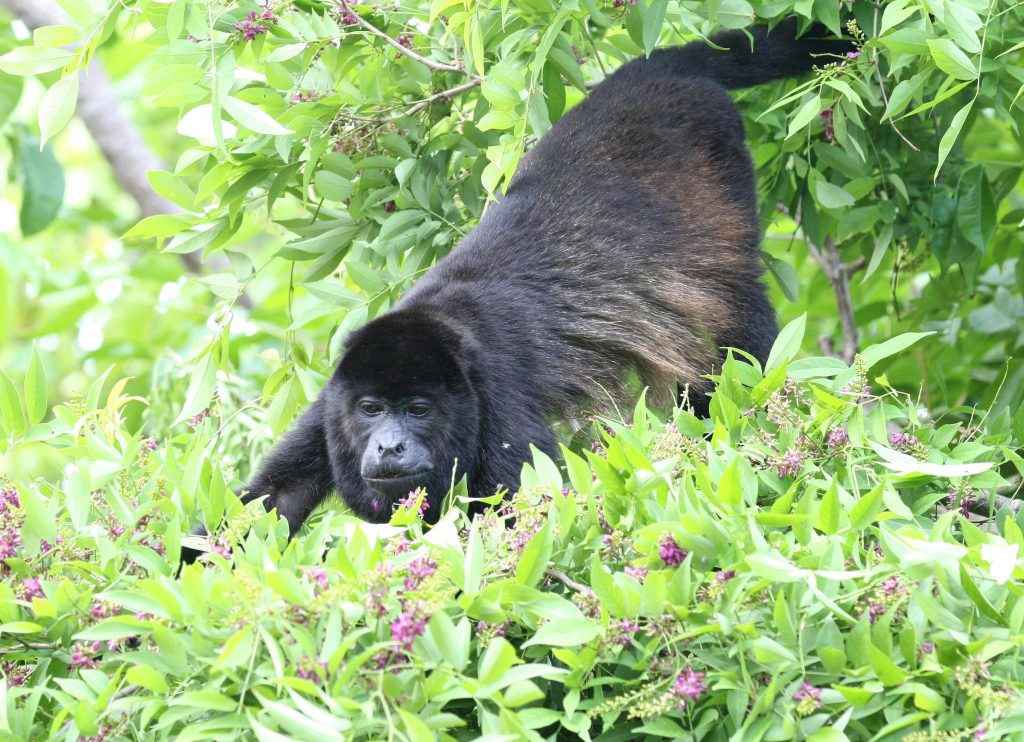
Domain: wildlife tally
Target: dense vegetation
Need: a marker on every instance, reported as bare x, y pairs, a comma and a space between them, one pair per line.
831, 556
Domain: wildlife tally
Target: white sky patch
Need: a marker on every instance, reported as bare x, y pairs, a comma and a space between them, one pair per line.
168, 293
50, 343
113, 249
8, 216
109, 290
90, 332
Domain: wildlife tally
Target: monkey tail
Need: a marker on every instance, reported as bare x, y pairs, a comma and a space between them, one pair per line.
774, 55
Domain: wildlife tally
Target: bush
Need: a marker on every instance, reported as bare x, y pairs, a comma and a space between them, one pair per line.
803, 565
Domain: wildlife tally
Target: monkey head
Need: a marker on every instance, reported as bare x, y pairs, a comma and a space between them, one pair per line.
402, 414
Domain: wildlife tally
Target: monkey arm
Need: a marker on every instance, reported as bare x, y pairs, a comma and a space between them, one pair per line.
295, 476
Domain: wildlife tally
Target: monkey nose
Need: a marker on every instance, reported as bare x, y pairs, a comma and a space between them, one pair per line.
396, 449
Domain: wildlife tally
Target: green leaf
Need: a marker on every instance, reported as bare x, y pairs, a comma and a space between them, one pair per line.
57, 106
904, 464
536, 555
564, 632
172, 188
976, 209
11, 415
787, 344
867, 509
365, 277
653, 21
951, 59
34, 60
146, 677
950, 136
805, 115
832, 196
880, 351
886, 670
42, 187
252, 117
827, 520
35, 389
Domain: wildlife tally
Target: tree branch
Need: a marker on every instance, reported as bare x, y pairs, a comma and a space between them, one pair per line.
475, 81
838, 274
117, 138
566, 580
436, 66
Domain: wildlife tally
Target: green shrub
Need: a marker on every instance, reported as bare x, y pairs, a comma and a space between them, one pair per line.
802, 565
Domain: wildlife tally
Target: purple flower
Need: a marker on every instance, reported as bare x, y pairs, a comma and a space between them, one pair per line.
348, 18
310, 669
807, 691
902, 441
201, 415
723, 577
150, 443
100, 610
853, 55
670, 552
317, 574
9, 500
689, 686
10, 542
31, 588
405, 40
789, 464
82, 654
419, 569
836, 438
637, 573
875, 611
409, 501
808, 699
622, 632
826, 121
406, 628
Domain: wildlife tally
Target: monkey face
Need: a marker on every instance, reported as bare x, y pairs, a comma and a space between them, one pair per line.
404, 417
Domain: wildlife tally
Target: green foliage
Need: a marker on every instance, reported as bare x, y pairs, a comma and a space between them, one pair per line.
373, 134
785, 570
800, 566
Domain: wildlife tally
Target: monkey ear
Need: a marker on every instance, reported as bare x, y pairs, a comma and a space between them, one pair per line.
405, 349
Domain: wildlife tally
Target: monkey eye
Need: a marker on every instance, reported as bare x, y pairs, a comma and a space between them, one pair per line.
370, 408
419, 409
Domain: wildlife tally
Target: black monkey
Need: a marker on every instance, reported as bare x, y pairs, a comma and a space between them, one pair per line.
628, 241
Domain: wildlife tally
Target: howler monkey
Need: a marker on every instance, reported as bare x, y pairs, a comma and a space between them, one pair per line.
628, 241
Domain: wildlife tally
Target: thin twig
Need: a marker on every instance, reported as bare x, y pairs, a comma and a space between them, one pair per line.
566, 580
980, 505
838, 274
881, 84
436, 66
450, 92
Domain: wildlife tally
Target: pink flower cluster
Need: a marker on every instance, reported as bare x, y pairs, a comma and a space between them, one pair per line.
689, 686
790, 463
671, 552
317, 574
83, 654
637, 573
10, 524
255, 24
409, 501
837, 437
621, 632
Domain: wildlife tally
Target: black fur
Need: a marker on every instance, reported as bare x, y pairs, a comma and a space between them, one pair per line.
628, 240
